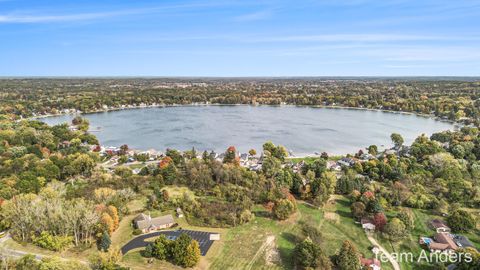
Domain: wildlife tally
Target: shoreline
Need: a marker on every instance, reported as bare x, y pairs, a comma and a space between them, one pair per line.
436, 118
455, 124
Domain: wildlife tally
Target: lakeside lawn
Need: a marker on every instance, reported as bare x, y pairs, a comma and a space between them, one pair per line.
244, 246
310, 160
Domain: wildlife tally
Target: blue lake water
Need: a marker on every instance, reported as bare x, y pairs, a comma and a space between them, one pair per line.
303, 130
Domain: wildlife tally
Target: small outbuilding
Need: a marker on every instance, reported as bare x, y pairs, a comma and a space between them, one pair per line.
179, 212
214, 236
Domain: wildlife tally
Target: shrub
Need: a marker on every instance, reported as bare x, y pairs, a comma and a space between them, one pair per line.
52, 242
283, 208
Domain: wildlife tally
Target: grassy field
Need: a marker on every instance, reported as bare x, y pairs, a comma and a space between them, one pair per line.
243, 246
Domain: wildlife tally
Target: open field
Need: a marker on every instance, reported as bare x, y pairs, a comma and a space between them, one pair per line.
242, 243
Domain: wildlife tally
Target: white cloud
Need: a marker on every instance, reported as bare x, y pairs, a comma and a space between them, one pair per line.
19, 17
254, 16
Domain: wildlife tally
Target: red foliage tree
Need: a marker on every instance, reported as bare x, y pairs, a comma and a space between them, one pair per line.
165, 162
380, 220
231, 156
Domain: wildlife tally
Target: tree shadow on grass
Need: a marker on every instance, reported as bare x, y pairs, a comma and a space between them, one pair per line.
344, 203
262, 213
344, 214
286, 253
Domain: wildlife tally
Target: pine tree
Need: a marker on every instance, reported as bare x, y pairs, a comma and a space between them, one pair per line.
105, 242
348, 257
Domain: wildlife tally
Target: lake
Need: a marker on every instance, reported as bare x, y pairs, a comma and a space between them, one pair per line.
303, 130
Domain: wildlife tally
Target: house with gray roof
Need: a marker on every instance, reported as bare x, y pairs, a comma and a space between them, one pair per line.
146, 223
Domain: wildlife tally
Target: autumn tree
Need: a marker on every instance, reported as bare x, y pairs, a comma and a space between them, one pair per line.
406, 216
231, 155
395, 230
185, 251
308, 255
461, 221
358, 209
348, 257
380, 220
283, 208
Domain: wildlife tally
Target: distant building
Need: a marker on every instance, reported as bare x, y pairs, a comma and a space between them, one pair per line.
146, 223
345, 161
332, 165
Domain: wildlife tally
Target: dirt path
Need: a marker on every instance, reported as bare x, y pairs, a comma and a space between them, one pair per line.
268, 242
374, 242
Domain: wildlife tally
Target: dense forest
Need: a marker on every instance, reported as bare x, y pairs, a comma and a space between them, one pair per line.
54, 193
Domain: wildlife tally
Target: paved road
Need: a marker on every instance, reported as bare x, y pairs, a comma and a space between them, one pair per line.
203, 239
392, 260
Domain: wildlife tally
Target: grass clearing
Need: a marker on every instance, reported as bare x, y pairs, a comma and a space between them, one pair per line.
177, 191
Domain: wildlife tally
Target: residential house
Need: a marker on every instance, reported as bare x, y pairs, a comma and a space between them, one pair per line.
146, 223
367, 224
439, 226
370, 264
64, 144
443, 243
346, 161
298, 167
332, 165
244, 157
366, 157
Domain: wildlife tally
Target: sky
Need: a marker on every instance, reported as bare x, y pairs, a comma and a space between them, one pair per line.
240, 38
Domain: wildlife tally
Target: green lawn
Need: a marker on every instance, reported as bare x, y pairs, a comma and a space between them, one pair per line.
308, 160
135, 260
